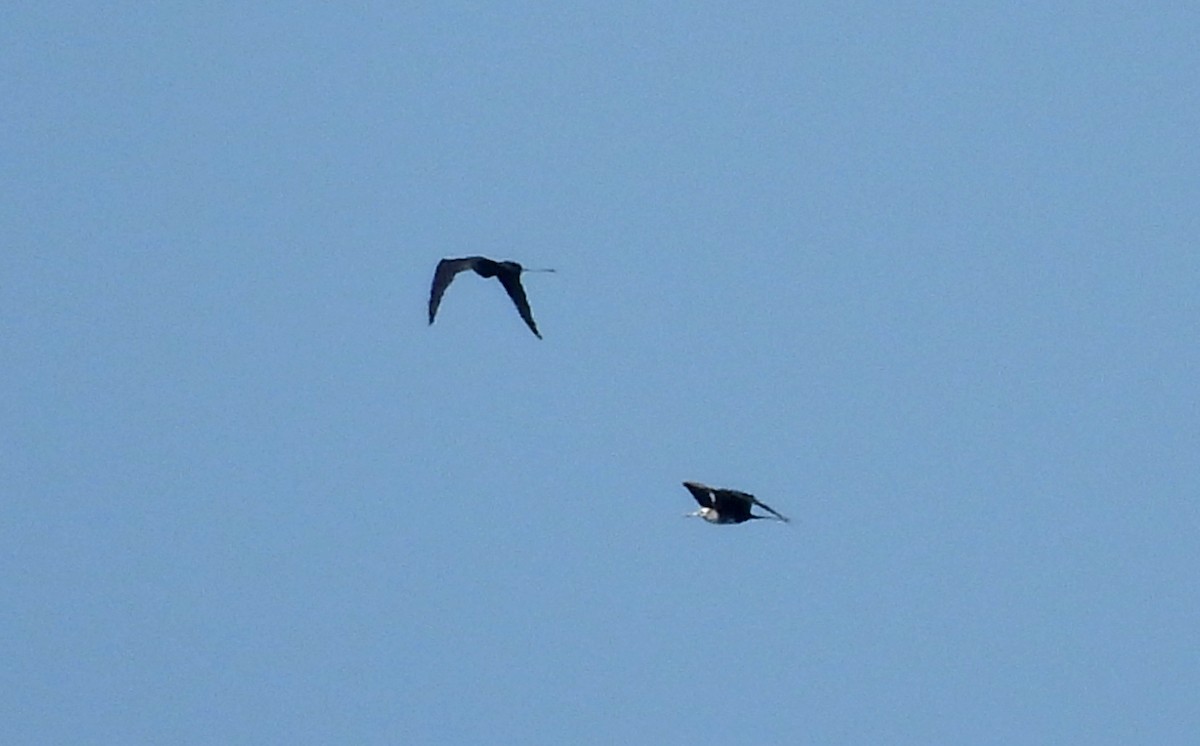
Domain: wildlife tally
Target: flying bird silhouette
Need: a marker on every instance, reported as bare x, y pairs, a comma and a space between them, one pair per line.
727, 506
509, 274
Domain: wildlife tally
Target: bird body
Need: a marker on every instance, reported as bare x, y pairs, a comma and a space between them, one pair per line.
723, 506
508, 272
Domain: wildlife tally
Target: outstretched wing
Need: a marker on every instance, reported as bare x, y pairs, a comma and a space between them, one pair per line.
442, 277
702, 493
512, 285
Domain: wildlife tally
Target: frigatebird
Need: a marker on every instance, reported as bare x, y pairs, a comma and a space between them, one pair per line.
509, 274
727, 506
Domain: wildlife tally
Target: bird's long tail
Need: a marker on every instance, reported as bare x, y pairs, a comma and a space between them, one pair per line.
773, 517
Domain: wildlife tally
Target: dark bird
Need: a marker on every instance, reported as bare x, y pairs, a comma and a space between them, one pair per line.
727, 506
509, 274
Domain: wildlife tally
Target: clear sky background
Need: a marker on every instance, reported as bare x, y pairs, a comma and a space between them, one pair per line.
923, 276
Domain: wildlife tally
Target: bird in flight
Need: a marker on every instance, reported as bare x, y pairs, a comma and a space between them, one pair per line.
509, 274
727, 506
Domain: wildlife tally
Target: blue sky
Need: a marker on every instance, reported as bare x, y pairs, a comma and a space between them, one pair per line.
923, 277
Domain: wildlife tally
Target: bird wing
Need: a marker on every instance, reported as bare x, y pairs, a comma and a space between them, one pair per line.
702, 493
443, 276
512, 285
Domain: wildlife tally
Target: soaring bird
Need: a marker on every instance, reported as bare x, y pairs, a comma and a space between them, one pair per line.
509, 274
727, 506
